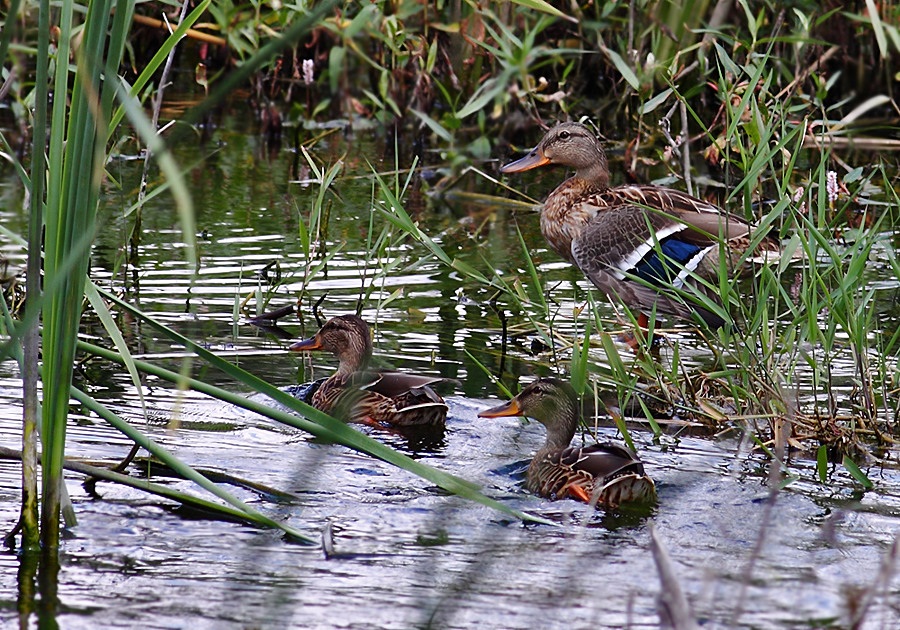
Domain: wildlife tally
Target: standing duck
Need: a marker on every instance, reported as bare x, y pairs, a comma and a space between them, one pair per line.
606, 473
639, 244
365, 396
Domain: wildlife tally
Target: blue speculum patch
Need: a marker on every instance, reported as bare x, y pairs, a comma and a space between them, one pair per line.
675, 255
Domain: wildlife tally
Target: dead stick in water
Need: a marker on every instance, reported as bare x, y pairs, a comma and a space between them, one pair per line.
192, 33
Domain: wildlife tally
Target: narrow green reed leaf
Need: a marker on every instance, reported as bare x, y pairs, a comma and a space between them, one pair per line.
109, 324
537, 286
174, 176
856, 473
579, 366
243, 510
77, 157
436, 128
156, 62
485, 93
106, 474
655, 102
545, 7
469, 271
822, 463
496, 381
623, 68
225, 88
396, 214
878, 28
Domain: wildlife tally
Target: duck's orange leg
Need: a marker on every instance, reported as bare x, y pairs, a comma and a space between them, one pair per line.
577, 492
386, 428
632, 338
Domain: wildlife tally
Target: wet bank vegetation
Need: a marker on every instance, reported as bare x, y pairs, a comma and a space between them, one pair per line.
783, 113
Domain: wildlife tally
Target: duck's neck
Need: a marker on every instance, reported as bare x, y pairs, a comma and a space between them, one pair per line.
562, 430
351, 362
595, 175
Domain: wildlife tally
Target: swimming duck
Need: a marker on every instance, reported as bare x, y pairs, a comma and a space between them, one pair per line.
606, 473
365, 396
635, 243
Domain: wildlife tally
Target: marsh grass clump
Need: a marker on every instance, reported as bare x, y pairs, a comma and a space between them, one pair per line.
805, 360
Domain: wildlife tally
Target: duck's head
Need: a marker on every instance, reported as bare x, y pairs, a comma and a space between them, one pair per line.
568, 144
551, 402
345, 336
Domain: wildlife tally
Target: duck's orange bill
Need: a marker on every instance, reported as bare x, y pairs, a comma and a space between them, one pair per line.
532, 160
506, 409
312, 343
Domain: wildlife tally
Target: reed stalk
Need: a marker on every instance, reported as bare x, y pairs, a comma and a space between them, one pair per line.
30, 339
77, 138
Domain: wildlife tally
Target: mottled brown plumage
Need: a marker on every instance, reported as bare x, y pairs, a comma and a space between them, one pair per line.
361, 395
606, 473
639, 244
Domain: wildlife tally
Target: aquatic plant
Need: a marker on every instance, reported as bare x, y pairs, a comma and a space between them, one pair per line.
756, 142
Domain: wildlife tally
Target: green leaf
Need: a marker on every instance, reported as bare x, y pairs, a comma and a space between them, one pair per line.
623, 68
435, 127
878, 27
483, 95
540, 5
857, 474
243, 510
335, 67
655, 102
305, 417
822, 462
579, 367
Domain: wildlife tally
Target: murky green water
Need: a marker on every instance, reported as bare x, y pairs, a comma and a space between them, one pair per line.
404, 554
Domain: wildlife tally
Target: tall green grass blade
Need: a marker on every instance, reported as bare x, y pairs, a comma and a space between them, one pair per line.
545, 7
623, 68
396, 214
75, 168
118, 340
496, 381
243, 510
579, 367
157, 61
857, 474
166, 160
106, 474
878, 28
537, 287
238, 77
31, 335
822, 462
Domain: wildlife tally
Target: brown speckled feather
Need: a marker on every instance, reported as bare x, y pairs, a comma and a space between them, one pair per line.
613, 472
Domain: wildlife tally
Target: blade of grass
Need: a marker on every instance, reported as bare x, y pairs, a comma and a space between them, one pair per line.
242, 509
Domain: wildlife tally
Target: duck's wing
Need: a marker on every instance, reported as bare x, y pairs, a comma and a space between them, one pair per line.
617, 475
615, 245
393, 384
707, 223
601, 461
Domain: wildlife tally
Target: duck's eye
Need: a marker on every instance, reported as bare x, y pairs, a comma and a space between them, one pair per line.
564, 135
